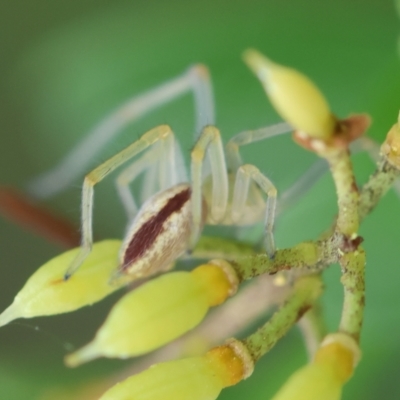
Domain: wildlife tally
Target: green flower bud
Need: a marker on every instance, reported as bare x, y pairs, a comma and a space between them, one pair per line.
47, 293
391, 146
324, 378
196, 378
158, 312
191, 378
294, 96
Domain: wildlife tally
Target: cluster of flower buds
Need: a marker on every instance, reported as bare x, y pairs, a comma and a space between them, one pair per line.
202, 378
168, 306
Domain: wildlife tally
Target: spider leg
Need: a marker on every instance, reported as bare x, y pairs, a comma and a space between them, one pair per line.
241, 193
246, 137
161, 160
167, 166
196, 79
302, 185
97, 175
151, 182
128, 175
317, 170
210, 142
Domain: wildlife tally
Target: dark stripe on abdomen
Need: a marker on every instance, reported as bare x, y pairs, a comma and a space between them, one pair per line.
144, 238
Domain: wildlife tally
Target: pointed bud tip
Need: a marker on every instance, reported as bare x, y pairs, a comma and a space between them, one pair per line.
48, 291
9, 314
256, 61
81, 356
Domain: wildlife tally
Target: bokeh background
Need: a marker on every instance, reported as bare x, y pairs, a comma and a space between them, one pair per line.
65, 64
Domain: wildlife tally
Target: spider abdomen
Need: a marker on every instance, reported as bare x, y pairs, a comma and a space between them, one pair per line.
159, 234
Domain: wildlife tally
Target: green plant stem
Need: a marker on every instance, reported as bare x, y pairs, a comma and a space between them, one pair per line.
376, 187
209, 247
305, 292
352, 260
308, 256
353, 280
348, 198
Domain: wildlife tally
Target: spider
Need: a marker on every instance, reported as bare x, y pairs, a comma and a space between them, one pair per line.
171, 219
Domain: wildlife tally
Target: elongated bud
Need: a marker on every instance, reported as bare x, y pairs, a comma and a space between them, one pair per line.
196, 378
391, 146
324, 378
158, 312
47, 293
294, 96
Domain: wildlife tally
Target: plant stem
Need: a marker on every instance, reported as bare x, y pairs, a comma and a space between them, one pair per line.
305, 292
376, 187
353, 280
348, 198
309, 256
209, 247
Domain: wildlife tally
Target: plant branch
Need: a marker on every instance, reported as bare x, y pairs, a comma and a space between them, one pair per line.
305, 292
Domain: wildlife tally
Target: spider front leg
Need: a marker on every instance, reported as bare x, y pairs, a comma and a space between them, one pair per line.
209, 141
162, 132
128, 175
160, 160
320, 167
196, 80
251, 136
247, 172
241, 193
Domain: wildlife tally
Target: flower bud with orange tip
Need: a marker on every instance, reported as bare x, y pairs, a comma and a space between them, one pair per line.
325, 376
294, 96
390, 148
47, 293
195, 378
158, 312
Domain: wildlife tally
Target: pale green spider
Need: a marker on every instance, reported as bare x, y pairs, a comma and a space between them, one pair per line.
171, 219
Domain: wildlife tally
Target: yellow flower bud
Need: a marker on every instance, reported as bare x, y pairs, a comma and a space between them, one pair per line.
294, 96
195, 378
47, 293
219, 280
312, 382
391, 146
156, 313
324, 378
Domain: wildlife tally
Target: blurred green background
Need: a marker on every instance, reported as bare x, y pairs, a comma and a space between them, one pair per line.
65, 64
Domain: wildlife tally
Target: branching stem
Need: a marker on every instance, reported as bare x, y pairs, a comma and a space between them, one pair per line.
305, 292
